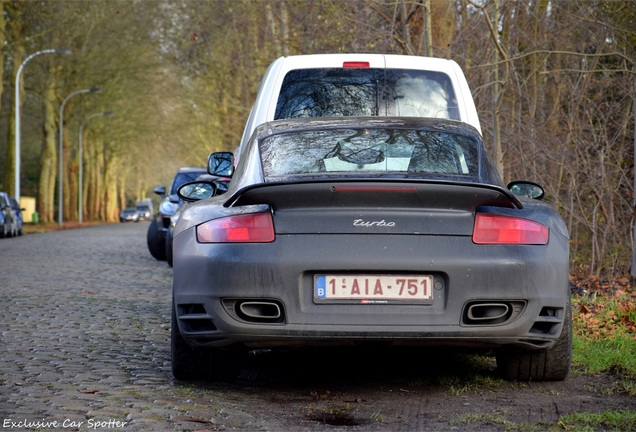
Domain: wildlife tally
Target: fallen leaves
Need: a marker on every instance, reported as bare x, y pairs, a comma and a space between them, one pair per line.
605, 306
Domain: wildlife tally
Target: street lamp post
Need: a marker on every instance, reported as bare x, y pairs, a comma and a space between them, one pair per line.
60, 209
81, 130
17, 113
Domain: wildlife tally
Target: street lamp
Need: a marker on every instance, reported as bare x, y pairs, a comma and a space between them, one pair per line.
106, 113
60, 205
17, 114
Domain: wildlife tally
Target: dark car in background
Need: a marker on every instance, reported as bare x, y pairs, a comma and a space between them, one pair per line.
371, 232
8, 223
129, 215
18, 216
144, 208
156, 235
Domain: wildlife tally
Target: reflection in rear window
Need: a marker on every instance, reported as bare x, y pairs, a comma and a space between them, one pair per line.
365, 151
366, 92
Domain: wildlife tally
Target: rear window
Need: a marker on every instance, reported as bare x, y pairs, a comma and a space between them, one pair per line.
369, 151
366, 92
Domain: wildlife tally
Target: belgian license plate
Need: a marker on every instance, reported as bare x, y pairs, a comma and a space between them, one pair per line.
373, 288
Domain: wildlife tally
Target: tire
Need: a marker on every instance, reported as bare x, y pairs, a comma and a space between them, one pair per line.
5, 232
551, 365
169, 248
190, 364
155, 246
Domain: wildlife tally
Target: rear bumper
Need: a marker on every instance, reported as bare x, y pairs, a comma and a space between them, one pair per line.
211, 282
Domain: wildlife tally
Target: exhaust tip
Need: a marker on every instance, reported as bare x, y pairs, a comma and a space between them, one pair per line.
260, 310
487, 311
484, 313
251, 310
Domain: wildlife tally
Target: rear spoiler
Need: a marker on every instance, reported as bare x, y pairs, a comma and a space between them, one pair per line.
284, 192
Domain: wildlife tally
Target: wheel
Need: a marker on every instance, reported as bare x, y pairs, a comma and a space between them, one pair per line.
169, 248
200, 363
5, 232
550, 365
155, 245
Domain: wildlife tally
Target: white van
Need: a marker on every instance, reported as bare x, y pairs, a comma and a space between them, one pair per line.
324, 85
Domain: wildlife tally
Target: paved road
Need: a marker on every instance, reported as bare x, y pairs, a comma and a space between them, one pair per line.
85, 320
84, 345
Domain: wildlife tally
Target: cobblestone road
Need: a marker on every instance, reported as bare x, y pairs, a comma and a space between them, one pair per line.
85, 345
84, 321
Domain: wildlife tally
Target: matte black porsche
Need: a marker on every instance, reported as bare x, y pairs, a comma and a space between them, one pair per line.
395, 231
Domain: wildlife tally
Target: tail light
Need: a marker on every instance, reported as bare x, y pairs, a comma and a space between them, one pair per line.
249, 228
356, 64
497, 229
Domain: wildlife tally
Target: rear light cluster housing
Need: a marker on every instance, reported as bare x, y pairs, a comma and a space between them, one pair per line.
488, 229
248, 228
508, 230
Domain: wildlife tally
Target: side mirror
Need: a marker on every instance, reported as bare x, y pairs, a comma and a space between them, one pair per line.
161, 191
526, 189
221, 164
198, 190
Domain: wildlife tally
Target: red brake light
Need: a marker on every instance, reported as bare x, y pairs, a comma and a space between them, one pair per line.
496, 229
387, 189
250, 228
356, 64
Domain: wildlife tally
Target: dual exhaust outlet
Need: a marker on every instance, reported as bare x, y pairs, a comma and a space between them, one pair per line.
260, 311
479, 313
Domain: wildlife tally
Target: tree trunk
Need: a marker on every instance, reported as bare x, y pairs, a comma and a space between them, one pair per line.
633, 268
98, 172
48, 157
110, 191
3, 40
497, 93
273, 29
72, 176
428, 29
17, 51
284, 28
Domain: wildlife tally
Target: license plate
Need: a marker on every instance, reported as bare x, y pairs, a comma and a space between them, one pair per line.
373, 288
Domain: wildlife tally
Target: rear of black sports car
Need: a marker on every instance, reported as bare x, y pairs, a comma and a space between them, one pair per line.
352, 257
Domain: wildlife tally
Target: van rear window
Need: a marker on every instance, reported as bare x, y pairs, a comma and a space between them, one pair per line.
338, 92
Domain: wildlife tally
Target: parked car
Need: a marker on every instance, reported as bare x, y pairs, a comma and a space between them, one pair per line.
322, 85
144, 208
18, 214
129, 215
8, 217
394, 231
156, 235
